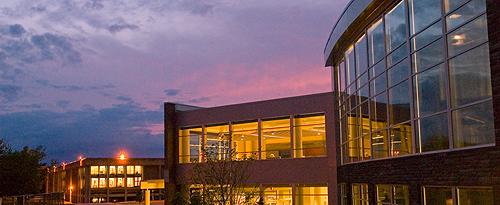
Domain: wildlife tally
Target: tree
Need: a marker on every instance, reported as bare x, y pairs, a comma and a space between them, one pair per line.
21, 171
222, 181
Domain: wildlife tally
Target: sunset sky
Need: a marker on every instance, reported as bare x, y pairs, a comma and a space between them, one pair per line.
89, 77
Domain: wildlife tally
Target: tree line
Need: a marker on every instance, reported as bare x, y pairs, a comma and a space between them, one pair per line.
21, 171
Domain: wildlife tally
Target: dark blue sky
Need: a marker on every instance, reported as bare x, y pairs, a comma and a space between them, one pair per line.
89, 77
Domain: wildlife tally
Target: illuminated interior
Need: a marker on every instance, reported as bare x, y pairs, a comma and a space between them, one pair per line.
276, 141
311, 195
115, 177
245, 140
217, 141
393, 194
190, 145
310, 136
278, 196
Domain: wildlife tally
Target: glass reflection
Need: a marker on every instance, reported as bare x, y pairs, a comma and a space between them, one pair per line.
466, 12
468, 36
401, 139
423, 13
397, 55
434, 133
399, 72
395, 22
470, 76
376, 46
428, 57
350, 65
361, 55
473, 125
399, 103
427, 36
430, 80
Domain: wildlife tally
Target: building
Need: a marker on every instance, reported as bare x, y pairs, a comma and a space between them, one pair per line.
412, 119
289, 138
95, 180
417, 96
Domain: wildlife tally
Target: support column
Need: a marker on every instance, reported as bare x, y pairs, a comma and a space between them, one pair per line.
170, 151
147, 197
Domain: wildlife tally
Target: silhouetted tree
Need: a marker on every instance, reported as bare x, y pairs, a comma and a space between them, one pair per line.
222, 181
21, 171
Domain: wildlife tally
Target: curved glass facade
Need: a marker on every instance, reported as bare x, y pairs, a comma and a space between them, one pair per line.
417, 80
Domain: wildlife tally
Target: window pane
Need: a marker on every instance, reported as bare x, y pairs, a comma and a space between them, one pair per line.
364, 92
434, 133
428, 57
361, 55
397, 55
423, 13
363, 79
342, 77
350, 65
474, 125
430, 91
310, 136
102, 169
376, 42
384, 194
311, 196
438, 195
120, 170
112, 170
379, 84
427, 36
401, 139
399, 103
352, 139
395, 22
138, 170
278, 195
130, 170
468, 36
451, 5
470, 77
276, 139
473, 196
94, 170
401, 195
217, 141
95, 183
189, 145
380, 144
378, 112
245, 140
468, 11
399, 72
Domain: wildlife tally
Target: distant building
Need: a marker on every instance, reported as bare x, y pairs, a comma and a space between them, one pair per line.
94, 180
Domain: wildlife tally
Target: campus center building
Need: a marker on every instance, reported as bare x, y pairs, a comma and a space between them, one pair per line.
98, 180
412, 119
417, 101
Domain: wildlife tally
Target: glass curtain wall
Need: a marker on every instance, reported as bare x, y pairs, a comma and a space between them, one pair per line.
418, 80
458, 195
190, 145
393, 195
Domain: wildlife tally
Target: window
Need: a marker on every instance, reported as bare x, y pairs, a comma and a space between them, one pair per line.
399, 103
190, 145
423, 13
393, 195
466, 12
468, 36
278, 195
311, 195
94, 170
350, 66
376, 47
474, 125
217, 141
360, 194
470, 76
120, 170
102, 169
361, 56
428, 56
138, 170
137, 181
245, 140
427, 36
130, 170
399, 72
430, 80
276, 138
433, 133
130, 182
343, 194
102, 182
458, 195
112, 182
395, 22
112, 170
401, 139
119, 182
310, 136
397, 55
94, 183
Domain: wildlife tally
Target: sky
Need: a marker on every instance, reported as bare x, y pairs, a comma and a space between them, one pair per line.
89, 77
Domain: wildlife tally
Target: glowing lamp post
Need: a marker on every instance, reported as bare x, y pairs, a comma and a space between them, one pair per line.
122, 156
70, 192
